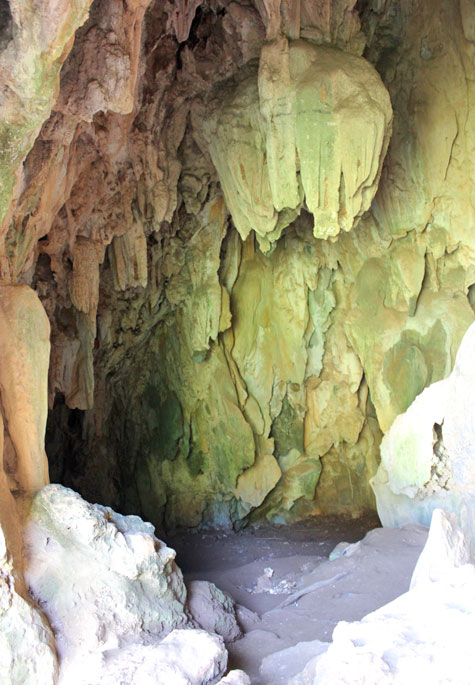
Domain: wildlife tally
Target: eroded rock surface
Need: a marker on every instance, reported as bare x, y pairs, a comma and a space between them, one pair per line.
427, 455
212, 609
27, 649
103, 580
313, 127
185, 359
184, 657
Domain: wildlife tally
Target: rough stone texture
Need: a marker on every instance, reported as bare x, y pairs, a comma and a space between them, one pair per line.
36, 38
424, 634
102, 579
184, 657
427, 455
281, 667
446, 548
24, 358
315, 128
27, 652
212, 609
184, 359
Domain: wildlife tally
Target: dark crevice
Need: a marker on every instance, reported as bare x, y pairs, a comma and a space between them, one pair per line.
6, 24
200, 30
64, 441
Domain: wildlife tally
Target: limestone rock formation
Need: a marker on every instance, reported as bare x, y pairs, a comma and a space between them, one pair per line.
235, 677
256, 375
212, 609
314, 127
103, 580
427, 455
26, 642
425, 631
24, 360
184, 657
249, 224
35, 39
116, 602
446, 549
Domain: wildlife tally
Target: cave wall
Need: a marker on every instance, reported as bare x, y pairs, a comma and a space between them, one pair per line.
246, 280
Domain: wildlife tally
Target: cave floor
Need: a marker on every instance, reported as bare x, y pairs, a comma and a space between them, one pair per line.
289, 595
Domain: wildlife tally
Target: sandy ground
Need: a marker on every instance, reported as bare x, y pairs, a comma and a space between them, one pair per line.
289, 595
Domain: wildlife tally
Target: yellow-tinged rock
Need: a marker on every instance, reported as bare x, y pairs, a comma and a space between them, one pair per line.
316, 128
24, 359
256, 482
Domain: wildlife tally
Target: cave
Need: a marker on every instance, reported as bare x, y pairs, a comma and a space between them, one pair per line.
237, 266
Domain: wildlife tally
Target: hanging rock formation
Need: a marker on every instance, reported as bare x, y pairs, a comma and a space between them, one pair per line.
314, 129
236, 243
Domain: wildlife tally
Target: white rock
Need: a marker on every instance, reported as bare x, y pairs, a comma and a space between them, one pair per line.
279, 667
307, 676
423, 636
236, 677
446, 548
344, 549
428, 455
27, 653
213, 609
103, 580
184, 657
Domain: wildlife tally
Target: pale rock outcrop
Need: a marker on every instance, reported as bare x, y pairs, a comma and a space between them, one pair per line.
236, 677
424, 635
212, 609
427, 456
27, 651
24, 358
184, 657
102, 579
36, 39
280, 667
446, 549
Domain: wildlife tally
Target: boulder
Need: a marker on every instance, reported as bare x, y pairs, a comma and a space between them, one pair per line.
213, 609
102, 579
27, 653
236, 677
184, 657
